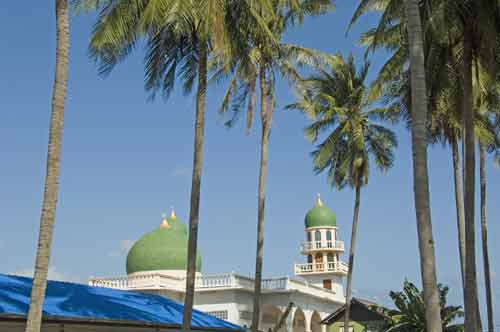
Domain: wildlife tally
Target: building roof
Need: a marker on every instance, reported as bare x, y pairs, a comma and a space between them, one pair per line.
362, 311
320, 216
75, 303
164, 248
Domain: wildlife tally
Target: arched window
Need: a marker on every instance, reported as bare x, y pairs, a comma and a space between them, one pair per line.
309, 237
330, 263
329, 242
317, 238
318, 262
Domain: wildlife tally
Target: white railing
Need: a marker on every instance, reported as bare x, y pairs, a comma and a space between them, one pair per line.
141, 281
339, 267
322, 245
215, 281
229, 280
275, 283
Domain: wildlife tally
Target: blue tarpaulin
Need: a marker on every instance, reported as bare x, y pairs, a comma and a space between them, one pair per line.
75, 301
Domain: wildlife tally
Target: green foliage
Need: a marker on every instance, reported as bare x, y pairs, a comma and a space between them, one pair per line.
257, 56
337, 99
443, 51
409, 315
173, 31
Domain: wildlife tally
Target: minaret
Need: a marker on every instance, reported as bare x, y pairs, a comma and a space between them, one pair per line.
322, 250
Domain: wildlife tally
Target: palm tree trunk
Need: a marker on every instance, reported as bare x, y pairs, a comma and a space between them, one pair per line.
470, 300
459, 206
354, 235
266, 128
461, 220
34, 320
194, 210
484, 236
420, 172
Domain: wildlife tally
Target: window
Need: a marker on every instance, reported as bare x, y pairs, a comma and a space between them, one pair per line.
317, 238
246, 315
318, 260
309, 259
327, 284
329, 243
309, 237
222, 314
329, 258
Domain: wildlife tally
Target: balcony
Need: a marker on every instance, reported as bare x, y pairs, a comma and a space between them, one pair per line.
318, 268
307, 246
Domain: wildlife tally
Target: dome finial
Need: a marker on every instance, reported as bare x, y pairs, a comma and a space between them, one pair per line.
172, 213
164, 222
319, 203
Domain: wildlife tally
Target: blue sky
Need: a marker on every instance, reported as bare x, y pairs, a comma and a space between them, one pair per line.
126, 160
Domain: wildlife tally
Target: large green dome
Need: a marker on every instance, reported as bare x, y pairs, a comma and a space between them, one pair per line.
320, 216
164, 248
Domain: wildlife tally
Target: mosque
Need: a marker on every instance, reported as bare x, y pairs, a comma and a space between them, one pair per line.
156, 263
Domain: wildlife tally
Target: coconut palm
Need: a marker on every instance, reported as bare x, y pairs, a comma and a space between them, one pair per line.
487, 102
49, 205
408, 13
442, 51
477, 26
393, 84
257, 63
336, 98
469, 39
408, 316
179, 36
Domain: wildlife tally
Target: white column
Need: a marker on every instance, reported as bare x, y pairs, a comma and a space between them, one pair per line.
289, 320
308, 315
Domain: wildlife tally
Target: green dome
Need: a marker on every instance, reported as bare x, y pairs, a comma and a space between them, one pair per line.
320, 216
164, 248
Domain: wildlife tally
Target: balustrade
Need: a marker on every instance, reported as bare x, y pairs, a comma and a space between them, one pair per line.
225, 280
158, 280
322, 245
321, 267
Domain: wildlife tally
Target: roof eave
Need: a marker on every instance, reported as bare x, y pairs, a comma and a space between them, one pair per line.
112, 322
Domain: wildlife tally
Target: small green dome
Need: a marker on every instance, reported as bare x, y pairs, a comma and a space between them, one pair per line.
320, 216
164, 248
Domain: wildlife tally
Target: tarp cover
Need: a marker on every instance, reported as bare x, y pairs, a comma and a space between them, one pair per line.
69, 300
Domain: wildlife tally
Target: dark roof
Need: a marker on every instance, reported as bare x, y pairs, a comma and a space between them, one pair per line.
361, 311
81, 304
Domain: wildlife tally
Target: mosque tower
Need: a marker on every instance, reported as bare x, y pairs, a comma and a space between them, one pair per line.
322, 249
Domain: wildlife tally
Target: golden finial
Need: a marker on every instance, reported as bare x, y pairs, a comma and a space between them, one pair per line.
172, 213
164, 222
319, 203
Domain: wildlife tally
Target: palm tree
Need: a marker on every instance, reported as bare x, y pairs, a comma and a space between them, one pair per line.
393, 85
412, 17
34, 319
336, 97
409, 312
478, 25
179, 36
387, 34
487, 107
256, 65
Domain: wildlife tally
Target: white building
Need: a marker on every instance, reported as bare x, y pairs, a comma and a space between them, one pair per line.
156, 263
